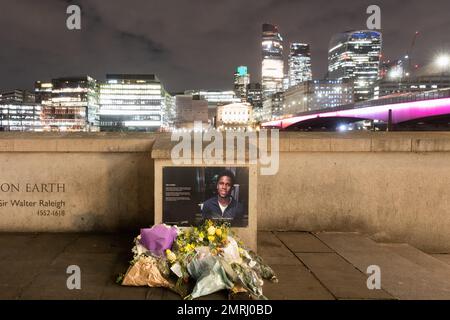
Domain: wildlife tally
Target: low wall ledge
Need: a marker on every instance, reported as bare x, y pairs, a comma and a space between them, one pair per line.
76, 142
160, 144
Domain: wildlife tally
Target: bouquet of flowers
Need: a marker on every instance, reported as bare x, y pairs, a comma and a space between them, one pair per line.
196, 261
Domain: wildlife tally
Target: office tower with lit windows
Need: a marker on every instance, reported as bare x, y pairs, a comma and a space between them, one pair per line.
355, 55
299, 63
43, 92
272, 72
20, 116
413, 84
74, 105
272, 107
241, 80
131, 102
168, 111
254, 97
317, 95
254, 94
17, 96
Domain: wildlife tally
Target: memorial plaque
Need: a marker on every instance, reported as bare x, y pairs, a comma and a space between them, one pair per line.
186, 195
193, 194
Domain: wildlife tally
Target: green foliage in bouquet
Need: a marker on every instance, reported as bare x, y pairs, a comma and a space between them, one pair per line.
202, 260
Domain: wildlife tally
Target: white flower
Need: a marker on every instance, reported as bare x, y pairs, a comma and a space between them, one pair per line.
211, 231
138, 248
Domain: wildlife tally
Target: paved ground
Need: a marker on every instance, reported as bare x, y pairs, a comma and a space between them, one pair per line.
309, 266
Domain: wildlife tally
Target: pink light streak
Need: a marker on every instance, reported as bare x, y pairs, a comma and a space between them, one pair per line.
400, 112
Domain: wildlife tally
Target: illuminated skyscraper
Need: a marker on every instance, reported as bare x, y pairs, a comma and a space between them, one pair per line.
43, 92
241, 80
355, 55
74, 105
254, 95
131, 103
272, 60
299, 64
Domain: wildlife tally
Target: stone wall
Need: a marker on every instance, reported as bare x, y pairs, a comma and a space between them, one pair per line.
75, 182
391, 186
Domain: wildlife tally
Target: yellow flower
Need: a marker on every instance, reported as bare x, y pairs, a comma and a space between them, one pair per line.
211, 238
201, 236
170, 255
218, 232
211, 230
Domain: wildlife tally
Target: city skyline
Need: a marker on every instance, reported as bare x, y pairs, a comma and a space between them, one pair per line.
196, 45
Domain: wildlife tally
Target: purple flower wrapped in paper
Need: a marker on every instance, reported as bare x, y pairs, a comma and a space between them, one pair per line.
207, 257
158, 238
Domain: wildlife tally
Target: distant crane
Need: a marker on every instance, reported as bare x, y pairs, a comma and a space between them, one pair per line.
411, 48
403, 66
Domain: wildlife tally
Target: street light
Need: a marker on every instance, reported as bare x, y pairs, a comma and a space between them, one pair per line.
395, 73
443, 61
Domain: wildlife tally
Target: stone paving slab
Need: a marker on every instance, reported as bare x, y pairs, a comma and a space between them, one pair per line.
422, 259
340, 277
444, 257
34, 267
273, 251
400, 277
88, 262
295, 283
270, 246
113, 291
53, 286
9, 292
302, 242
101, 243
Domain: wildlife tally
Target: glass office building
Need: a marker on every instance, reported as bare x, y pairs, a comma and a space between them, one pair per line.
355, 55
43, 92
131, 103
73, 107
17, 96
299, 64
241, 80
272, 72
317, 95
20, 116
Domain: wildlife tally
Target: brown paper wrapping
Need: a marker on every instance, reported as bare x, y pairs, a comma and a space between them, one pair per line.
145, 272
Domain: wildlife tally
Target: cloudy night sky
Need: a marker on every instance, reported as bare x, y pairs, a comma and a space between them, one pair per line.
195, 44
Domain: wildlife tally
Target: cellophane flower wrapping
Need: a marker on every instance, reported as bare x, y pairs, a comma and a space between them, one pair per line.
197, 261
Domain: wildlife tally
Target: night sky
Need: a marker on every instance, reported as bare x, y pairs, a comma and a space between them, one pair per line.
193, 44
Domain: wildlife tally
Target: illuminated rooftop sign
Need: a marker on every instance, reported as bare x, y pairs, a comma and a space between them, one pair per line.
242, 70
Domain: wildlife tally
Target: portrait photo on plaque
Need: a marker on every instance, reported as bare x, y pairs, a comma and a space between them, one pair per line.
194, 194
